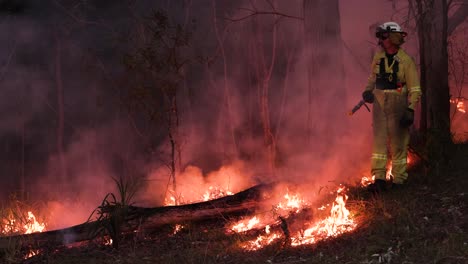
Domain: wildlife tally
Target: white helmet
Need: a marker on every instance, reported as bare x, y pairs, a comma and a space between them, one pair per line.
388, 27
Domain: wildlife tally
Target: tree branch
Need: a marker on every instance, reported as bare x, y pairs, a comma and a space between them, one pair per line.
457, 18
254, 13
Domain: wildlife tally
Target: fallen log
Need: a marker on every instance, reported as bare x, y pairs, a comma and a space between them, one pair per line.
140, 218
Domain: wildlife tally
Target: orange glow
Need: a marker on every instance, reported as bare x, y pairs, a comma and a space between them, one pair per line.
213, 192
289, 203
194, 186
292, 203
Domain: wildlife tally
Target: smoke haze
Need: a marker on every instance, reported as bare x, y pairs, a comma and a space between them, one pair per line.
220, 131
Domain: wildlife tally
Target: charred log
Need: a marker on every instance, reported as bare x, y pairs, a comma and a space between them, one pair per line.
140, 218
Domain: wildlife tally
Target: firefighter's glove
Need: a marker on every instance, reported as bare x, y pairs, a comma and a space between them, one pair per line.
368, 97
408, 118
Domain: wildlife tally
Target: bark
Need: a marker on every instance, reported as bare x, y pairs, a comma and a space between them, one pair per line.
147, 219
434, 27
264, 70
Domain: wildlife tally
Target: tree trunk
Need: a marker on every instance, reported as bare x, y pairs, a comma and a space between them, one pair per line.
264, 62
226, 87
436, 74
322, 30
433, 30
60, 110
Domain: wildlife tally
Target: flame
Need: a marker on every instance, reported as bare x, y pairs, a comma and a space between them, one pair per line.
461, 107
365, 181
108, 241
337, 223
27, 225
213, 192
246, 225
11, 225
293, 203
290, 203
262, 241
32, 225
32, 253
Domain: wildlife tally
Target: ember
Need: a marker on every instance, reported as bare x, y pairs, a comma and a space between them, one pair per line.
107, 241
459, 104
177, 228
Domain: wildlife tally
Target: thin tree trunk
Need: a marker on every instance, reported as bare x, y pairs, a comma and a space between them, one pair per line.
264, 73
60, 110
325, 71
422, 23
227, 95
23, 162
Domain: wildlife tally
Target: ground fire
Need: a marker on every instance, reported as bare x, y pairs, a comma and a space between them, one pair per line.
272, 226
338, 222
22, 224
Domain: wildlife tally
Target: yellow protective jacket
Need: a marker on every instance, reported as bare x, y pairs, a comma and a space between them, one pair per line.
407, 74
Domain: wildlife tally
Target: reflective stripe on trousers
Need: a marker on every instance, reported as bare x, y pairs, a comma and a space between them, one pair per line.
388, 110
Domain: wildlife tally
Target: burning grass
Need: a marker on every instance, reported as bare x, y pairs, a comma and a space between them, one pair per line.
17, 217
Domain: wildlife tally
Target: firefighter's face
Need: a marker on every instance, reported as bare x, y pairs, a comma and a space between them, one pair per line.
384, 40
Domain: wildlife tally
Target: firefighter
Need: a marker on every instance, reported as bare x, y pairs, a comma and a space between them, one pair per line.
393, 88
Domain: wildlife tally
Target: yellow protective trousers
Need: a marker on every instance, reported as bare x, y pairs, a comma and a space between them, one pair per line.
389, 136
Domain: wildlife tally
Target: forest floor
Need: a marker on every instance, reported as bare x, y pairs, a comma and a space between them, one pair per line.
427, 222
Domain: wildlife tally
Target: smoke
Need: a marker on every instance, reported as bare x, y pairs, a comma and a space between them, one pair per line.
220, 136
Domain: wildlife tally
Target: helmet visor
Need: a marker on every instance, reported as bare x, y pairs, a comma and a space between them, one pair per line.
383, 34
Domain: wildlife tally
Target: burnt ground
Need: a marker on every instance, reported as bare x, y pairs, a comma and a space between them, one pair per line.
427, 222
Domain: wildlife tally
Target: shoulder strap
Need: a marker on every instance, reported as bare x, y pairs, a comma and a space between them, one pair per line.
395, 66
382, 66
